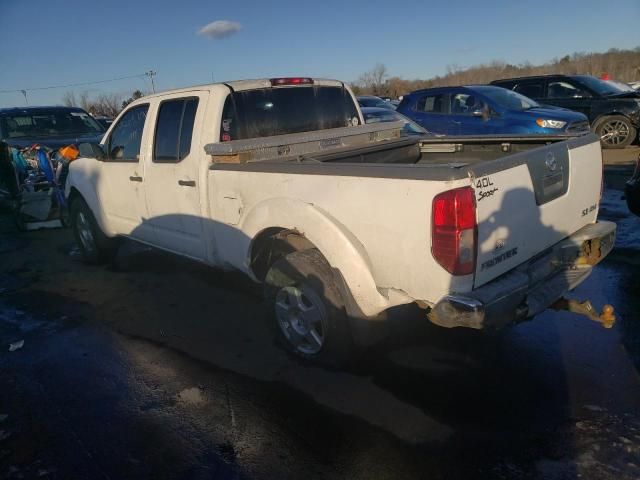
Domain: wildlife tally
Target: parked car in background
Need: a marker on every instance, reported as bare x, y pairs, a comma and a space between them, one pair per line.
372, 101
53, 127
484, 110
104, 121
378, 115
632, 190
612, 108
635, 85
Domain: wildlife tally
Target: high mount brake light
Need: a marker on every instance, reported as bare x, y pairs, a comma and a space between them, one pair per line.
454, 230
276, 82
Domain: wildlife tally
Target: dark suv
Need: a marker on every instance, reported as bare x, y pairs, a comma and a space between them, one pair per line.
612, 109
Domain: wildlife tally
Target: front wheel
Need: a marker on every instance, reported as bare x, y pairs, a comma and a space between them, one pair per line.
306, 309
94, 245
615, 131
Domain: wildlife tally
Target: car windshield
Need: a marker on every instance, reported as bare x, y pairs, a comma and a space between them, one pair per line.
410, 127
603, 87
507, 99
48, 123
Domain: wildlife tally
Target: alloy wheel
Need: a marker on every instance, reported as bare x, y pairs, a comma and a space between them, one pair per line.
302, 317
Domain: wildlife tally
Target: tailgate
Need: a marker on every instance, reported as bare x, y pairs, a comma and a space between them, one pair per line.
529, 201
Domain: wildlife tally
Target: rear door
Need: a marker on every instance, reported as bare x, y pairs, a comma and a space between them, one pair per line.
173, 180
533, 88
529, 201
431, 110
566, 93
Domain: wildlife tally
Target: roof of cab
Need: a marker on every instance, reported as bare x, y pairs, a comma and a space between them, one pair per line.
240, 85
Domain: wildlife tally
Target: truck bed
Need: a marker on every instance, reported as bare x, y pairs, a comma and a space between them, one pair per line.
378, 144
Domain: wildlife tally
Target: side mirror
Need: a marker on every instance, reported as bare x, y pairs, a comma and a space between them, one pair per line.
483, 112
92, 150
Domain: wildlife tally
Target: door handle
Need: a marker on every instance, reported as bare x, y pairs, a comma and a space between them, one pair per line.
456, 122
135, 179
187, 183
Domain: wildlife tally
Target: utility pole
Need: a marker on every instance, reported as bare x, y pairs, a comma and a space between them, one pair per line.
151, 74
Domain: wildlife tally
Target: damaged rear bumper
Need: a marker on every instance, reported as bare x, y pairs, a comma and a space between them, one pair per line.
530, 288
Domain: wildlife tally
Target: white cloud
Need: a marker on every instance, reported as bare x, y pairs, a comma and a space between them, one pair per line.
220, 29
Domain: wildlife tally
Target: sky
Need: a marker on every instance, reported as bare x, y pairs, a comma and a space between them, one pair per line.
59, 42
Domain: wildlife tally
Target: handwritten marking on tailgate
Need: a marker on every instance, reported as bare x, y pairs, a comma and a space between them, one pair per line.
483, 184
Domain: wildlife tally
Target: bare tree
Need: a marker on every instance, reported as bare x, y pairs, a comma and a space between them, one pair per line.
84, 101
108, 105
373, 81
69, 99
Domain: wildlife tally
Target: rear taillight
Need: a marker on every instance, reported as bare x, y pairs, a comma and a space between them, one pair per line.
275, 82
453, 230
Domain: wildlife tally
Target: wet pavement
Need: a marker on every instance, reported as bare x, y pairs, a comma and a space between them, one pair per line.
155, 367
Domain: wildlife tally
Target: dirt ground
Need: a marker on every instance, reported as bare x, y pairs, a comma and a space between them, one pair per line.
155, 367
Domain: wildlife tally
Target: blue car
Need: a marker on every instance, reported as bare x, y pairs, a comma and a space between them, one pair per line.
488, 110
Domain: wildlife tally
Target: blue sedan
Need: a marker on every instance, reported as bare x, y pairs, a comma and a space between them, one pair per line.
488, 110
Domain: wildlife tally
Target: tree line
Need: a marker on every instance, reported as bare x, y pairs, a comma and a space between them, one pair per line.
622, 65
103, 105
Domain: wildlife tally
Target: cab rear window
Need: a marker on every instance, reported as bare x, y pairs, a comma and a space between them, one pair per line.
281, 110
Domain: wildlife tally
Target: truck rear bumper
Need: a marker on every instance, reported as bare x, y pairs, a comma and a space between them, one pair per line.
531, 287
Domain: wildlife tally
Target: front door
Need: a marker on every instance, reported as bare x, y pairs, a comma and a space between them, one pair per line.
120, 181
466, 117
174, 174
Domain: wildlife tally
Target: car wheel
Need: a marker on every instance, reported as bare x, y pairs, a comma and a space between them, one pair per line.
306, 309
615, 131
94, 245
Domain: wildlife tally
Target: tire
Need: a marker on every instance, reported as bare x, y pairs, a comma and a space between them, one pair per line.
615, 131
94, 245
306, 309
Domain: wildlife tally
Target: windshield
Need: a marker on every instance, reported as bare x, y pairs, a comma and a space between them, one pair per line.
507, 99
48, 123
603, 87
278, 111
410, 127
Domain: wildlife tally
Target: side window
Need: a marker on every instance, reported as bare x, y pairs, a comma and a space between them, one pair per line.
124, 141
431, 104
560, 89
530, 89
465, 104
174, 129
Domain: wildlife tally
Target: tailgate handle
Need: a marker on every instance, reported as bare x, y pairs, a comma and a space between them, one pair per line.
187, 183
135, 179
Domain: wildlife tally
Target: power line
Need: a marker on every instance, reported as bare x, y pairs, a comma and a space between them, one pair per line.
21, 90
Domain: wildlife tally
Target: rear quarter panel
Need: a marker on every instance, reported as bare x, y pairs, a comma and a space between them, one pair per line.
388, 220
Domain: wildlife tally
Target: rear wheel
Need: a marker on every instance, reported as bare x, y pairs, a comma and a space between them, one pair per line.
615, 131
306, 309
94, 245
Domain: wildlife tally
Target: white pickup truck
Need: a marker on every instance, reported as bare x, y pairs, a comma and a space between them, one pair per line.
341, 221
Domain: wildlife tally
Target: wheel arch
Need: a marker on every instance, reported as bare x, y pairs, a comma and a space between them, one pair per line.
298, 225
